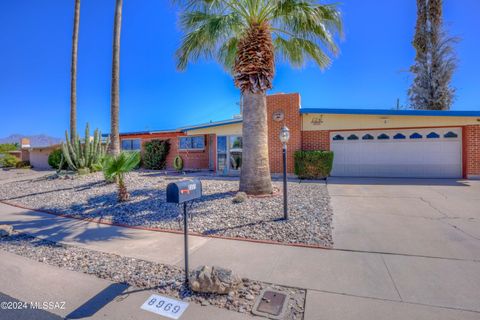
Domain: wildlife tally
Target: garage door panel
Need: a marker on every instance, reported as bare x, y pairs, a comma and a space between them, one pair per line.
436, 157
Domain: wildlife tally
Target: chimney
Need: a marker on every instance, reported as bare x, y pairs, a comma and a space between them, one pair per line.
25, 143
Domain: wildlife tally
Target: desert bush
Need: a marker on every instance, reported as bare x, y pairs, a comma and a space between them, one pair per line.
9, 161
23, 165
5, 147
313, 164
155, 154
55, 160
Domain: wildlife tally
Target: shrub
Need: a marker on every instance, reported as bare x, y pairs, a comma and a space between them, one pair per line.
55, 159
9, 161
155, 155
178, 163
5, 147
313, 164
23, 165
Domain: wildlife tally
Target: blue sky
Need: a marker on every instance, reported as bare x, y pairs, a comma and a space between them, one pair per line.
35, 44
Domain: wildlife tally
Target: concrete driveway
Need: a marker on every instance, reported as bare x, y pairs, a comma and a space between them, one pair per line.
431, 218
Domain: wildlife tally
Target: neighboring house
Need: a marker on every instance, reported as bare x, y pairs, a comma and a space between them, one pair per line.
39, 156
366, 143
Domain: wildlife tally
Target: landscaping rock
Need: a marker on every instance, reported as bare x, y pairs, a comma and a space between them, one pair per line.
89, 197
240, 197
208, 279
5, 230
166, 279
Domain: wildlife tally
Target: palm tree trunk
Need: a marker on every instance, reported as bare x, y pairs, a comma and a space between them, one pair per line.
255, 172
115, 93
73, 73
122, 191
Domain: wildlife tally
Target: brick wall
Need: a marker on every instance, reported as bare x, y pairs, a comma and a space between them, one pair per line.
316, 140
191, 159
471, 150
289, 104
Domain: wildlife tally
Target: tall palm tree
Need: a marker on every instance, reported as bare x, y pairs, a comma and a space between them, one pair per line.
115, 92
73, 72
244, 36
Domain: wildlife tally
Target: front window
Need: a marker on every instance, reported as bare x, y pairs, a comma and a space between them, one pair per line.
192, 143
131, 145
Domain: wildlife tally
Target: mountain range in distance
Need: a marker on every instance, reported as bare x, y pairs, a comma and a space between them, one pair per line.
38, 140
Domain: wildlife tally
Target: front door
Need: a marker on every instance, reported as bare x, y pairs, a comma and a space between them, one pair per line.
229, 154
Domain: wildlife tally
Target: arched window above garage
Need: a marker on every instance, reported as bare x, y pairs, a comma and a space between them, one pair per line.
416, 135
383, 136
368, 137
399, 136
433, 135
450, 134
338, 138
352, 137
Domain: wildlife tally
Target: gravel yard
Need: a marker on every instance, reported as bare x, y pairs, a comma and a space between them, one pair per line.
215, 214
165, 279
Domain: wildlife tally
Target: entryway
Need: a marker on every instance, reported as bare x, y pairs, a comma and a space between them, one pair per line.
229, 154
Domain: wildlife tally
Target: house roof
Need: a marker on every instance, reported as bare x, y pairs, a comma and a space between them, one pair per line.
212, 124
143, 132
435, 113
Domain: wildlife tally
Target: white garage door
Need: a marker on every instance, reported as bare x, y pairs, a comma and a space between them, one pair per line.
424, 153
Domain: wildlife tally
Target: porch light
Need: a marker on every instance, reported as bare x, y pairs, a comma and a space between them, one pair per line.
284, 135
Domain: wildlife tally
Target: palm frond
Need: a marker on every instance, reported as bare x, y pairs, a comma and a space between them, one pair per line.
297, 51
205, 34
214, 28
116, 167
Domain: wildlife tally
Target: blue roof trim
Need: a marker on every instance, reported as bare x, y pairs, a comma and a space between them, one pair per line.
448, 113
210, 125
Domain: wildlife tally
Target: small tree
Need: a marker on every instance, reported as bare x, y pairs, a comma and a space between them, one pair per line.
116, 167
155, 155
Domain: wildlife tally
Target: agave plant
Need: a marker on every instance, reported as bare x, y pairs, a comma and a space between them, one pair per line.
246, 37
115, 168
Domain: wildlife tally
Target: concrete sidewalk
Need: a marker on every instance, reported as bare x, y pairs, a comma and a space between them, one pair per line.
341, 284
85, 296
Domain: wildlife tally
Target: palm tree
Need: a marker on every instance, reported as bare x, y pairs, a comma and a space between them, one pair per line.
244, 36
115, 169
73, 72
115, 92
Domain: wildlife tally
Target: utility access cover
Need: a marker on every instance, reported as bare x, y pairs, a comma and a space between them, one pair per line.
271, 304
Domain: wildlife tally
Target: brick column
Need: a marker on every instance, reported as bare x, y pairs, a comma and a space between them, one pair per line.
289, 105
316, 140
471, 151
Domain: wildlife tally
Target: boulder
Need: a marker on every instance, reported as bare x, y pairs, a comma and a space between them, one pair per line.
5, 230
214, 279
240, 197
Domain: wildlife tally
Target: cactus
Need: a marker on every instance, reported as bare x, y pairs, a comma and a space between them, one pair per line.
178, 163
84, 155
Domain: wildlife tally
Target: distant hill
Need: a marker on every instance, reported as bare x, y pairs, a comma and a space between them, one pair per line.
39, 140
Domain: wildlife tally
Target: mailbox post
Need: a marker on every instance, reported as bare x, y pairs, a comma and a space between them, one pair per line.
183, 192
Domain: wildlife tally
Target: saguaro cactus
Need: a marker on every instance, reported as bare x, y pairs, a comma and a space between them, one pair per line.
82, 155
